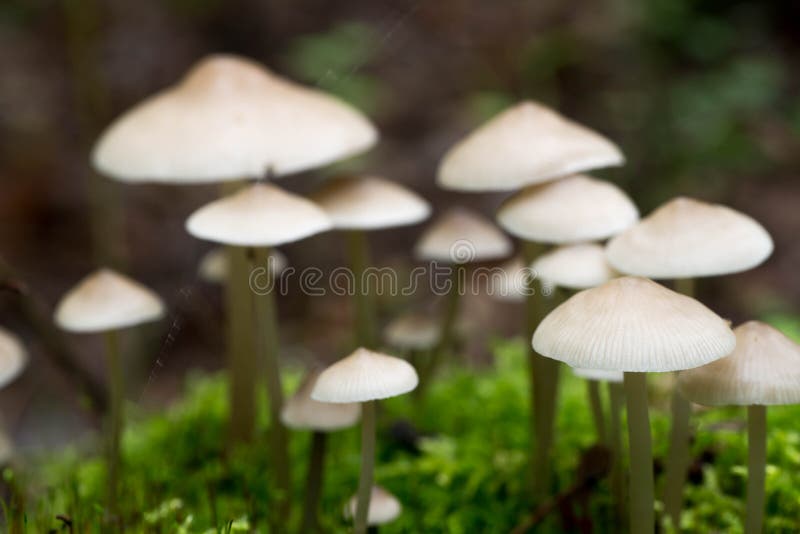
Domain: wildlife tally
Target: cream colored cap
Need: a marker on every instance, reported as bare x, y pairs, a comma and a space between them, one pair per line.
229, 118
214, 266
574, 266
13, 357
383, 507
524, 145
365, 376
304, 413
261, 215
106, 300
510, 282
462, 236
763, 369
599, 375
635, 325
573, 209
370, 203
686, 238
413, 331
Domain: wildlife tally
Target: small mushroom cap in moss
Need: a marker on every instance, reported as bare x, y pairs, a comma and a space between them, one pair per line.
230, 118
213, 266
687, 238
13, 357
301, 412
524, 145
260, 215
763, 369
462, 236
370, 203
574, 266
574, 209
634, 325
106, 300
383, 507
364, 376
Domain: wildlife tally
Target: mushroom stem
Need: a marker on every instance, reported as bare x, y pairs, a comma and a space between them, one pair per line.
267, 344
642, 518
756, 468
358, 249
593, 392
314, 483
617, 479
115, 417
367, 465
678, 456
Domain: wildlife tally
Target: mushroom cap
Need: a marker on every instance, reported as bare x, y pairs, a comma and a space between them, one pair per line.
511, 282
686, 238
365, 376
573, 209
764, 368
524, 145
106, 300
370, 203
600, 375
229, 118
383, 507
413, 331
635, 325
304, 413
574, 266
13, 357
213, 266
261, 215
462, 236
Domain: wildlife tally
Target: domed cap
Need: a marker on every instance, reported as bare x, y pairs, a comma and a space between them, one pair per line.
574, 266
106, 300
763, 369
370, 203
686, 238
524, 145
573, 209
365, 376
462, 236
383, 507
13, 357
304, 413
509, 282
229, 118
413, 331
214, 266
633, 324
598, 375
261, 215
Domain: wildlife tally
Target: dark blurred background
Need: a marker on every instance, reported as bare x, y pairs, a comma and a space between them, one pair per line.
701, 95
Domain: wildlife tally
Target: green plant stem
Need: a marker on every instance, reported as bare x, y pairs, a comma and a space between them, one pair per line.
642, 519
616, 399
678, 456
268, 347
115, 418
358, 248
367, 465
593, 392
316, 468
756, 468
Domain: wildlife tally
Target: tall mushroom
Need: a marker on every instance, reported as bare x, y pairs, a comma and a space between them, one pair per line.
301, 412
257, 218
763, 370
231, 119
682, 240
634, 325
360, 204
365, 377
456, 238
107, 302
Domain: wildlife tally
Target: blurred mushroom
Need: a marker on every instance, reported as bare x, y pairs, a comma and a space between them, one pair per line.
214, 266
383, 508
637, 326
365, 377
763, 370
13, 360
416, 334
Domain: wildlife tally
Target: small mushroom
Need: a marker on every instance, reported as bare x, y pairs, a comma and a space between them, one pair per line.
763, 370
572, 267
13, 360
383, 508
365, 377
214, 266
